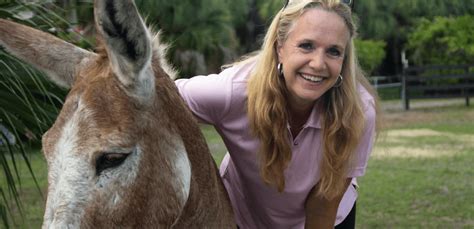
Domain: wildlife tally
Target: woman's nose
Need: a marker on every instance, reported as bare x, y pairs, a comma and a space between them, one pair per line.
317, 60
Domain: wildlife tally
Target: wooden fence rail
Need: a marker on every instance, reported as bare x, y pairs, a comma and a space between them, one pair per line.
437, 82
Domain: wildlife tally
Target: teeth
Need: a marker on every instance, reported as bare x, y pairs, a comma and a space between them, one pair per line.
312, 78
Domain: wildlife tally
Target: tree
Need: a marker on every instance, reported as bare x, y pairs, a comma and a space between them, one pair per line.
370, 54
200, 32
443, 40
392, 21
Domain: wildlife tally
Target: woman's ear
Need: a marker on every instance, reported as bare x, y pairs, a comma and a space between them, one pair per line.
278, 49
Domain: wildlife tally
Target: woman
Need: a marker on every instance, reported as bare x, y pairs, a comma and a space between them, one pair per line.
298, 119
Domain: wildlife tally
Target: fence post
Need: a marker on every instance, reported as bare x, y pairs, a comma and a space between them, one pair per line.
466, 91
404, 94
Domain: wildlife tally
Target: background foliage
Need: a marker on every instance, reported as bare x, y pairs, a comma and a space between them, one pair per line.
393, 21
442, 40
372, 51
200, 32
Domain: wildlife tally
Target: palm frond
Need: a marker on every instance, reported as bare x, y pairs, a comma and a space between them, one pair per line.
29, 104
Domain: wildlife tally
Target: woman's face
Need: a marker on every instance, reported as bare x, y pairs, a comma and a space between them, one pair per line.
312, 55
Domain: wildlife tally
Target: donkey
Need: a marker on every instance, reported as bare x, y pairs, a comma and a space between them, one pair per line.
124, 152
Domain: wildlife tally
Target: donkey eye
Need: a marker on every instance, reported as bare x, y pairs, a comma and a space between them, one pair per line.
109, 160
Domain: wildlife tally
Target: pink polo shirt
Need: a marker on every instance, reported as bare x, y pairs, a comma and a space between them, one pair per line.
220, 100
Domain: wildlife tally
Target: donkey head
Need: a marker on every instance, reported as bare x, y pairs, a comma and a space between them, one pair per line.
115, 122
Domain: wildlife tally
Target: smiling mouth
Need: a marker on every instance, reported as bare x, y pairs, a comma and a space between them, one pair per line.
311, 78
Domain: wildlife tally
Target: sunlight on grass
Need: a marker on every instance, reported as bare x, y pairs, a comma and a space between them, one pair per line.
422, 143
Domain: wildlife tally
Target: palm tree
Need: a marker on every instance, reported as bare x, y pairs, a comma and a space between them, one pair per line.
200, 32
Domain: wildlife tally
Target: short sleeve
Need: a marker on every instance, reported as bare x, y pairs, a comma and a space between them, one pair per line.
208, 97
365, 146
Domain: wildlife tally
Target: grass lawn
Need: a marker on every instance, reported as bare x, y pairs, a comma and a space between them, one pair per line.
420, 174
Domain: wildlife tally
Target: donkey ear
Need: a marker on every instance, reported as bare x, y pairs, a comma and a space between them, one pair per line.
127, 42
60, 60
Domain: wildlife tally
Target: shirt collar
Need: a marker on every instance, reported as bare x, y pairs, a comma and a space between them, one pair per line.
314, 119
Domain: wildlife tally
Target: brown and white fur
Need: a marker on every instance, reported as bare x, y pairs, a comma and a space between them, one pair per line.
124, 152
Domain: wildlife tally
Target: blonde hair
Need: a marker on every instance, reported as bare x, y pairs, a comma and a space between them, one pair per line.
343, 114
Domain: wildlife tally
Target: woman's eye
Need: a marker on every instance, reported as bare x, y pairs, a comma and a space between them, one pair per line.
334, 52
306, 46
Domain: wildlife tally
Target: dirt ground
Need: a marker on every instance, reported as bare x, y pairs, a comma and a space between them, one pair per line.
424, 111
400, 143
395, 142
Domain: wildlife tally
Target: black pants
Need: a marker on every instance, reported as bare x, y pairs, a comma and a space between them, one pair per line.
349, 221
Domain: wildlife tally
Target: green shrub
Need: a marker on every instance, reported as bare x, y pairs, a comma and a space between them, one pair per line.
370, 53
444, 40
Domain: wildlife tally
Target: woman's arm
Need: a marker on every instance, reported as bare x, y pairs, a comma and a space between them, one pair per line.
206, 96
321, 212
